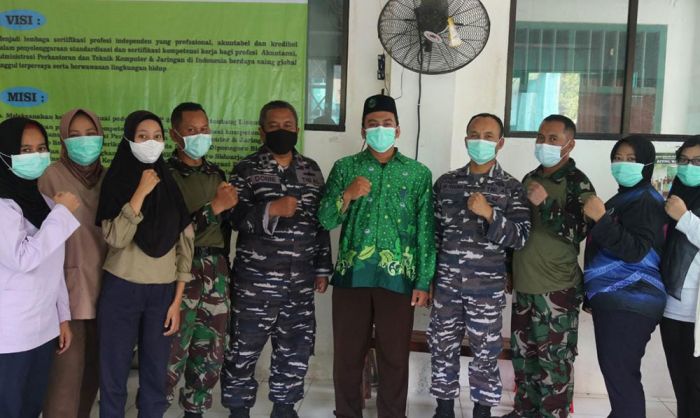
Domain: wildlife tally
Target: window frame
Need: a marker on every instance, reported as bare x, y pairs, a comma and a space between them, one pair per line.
340, 127
630, 56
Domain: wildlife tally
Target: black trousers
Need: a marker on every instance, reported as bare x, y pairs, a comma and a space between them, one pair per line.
24, 379
621, 338
128, 313
354, 313
677, 338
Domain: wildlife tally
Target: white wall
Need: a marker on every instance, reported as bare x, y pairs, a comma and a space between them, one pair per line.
448, 101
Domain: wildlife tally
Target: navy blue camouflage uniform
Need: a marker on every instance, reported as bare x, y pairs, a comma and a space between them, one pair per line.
274, 271
471, 277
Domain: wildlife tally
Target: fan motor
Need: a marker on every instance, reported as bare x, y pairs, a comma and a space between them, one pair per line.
432, 16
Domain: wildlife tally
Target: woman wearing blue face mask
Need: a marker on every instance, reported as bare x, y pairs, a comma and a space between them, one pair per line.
74, 377
680, 267
34, 310
621, 279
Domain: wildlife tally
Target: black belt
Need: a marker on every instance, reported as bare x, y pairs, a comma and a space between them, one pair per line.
207, 251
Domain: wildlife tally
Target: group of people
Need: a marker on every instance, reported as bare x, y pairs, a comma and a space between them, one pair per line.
97, 261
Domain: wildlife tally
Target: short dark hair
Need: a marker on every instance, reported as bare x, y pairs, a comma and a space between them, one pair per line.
488, 115
176, 115
277, 104
569, 125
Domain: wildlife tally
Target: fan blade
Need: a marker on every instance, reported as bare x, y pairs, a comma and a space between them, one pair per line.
453, 37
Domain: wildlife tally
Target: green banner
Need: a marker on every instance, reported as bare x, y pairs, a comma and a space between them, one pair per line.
114, 57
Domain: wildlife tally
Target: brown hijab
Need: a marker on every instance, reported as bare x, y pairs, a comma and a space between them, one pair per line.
88, 175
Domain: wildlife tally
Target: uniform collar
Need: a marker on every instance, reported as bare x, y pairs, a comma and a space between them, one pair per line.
494, 171
560, 174
367, 156
268, 160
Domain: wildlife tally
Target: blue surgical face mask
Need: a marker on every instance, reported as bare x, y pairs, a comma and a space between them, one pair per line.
196, 146
548, 155
84, 150
380, 139
689, 175
28, 166
481, 151
626, 173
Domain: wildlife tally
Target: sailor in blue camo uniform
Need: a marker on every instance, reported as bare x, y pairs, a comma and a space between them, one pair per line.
480, 214
282, 256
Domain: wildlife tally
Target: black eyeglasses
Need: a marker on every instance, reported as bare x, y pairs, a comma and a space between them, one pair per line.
685, 161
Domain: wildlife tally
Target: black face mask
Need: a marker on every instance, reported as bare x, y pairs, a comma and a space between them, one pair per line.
280, 141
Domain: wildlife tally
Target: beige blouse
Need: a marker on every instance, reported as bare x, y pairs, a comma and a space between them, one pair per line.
85, 249
126, 260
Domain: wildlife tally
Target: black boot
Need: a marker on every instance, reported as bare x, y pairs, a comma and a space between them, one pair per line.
481, 411
239, 413
445, 408
192, 415
283, 410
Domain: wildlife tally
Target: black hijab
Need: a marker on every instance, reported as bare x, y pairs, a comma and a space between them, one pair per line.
24, 192
690, 195
644, 153
164, 212
680, 252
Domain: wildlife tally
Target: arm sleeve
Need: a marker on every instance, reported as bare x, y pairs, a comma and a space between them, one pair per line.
329, 211
22, 252
203, 217
510, 228
689, 224
631, 239
119, 232
425, 230
184, 251
323, 263
63, 304
566, 219
250, 216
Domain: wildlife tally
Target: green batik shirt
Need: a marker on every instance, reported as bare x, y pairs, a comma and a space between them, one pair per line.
388, 237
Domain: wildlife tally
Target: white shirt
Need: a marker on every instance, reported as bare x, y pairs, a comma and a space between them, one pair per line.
33, 294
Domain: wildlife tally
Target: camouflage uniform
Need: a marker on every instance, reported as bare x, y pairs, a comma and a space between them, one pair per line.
198, 348
547, 295
277, 261
470, 281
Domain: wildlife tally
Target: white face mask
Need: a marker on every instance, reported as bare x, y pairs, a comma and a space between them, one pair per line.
148, 151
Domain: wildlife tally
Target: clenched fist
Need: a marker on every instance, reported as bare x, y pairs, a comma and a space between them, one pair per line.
283, 207
67, 199
226, 198
675, 207
478, 204
149, 181
358, 188
536, 193
594, 208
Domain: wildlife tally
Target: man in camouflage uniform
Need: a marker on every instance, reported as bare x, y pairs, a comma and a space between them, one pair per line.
198, 349
282, 255
480, 213
547, 277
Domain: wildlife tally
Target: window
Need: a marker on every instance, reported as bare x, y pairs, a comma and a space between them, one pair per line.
326, 65
576, 58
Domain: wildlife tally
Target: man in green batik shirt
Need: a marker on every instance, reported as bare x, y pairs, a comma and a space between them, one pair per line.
385, 263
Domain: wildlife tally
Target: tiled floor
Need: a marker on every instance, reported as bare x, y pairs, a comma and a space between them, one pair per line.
318, 403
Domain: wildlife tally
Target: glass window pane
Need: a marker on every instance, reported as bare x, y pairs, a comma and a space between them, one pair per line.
563, 65
326, 51
666, 81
